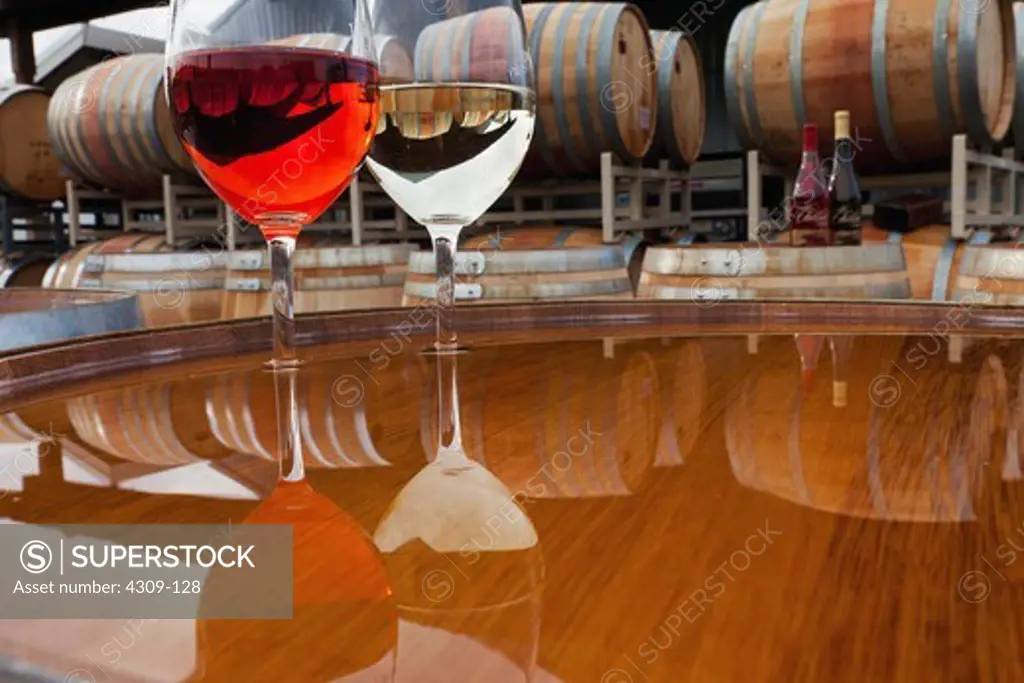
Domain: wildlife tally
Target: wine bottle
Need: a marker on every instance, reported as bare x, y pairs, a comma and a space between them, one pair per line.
844, 203
809, 206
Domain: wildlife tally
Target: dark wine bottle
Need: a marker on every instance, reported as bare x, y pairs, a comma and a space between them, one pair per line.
844, 203
809, 206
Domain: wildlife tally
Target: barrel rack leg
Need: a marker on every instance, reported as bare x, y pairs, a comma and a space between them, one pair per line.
169, 210
74, 217
607, 197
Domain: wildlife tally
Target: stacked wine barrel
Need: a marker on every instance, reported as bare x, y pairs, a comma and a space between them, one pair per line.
112, 128
28, 166
600, 83
911, 76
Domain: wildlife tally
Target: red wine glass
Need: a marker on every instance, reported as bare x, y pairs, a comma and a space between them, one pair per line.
276, 102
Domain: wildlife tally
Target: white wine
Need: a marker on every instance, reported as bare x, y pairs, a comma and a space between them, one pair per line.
446, 152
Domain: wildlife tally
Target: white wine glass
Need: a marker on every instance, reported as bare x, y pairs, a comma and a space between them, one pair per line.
276, 103
457, 112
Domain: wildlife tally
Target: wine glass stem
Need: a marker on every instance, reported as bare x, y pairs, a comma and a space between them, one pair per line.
284, 363
449, 431
282, 290
445, 245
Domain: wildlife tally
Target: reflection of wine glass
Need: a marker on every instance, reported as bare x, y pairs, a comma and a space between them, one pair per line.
344, 626
277, 121
467, 569
465, 562
454, 132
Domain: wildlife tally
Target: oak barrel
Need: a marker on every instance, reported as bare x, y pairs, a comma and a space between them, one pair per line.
593, 90
24, 270
680, 132
911, 74
559, 422
326, 279
66, 271
493, 275
911, 447
174, 288
971, 272
351, 413
156, 424
28, 166
112, 128
713, 273
558, 237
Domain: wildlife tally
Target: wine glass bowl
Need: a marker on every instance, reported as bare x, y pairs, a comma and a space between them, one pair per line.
453, 133
275, 120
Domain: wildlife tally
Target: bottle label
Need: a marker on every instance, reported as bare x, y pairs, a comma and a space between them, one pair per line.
846, 225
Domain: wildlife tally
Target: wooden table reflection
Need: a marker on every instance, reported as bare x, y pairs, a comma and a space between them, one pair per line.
807, 509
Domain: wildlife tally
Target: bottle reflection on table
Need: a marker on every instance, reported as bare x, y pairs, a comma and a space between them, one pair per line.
344, 623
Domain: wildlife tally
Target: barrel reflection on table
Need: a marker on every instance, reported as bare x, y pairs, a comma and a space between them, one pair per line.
906, 444
158, 424
559, 421
344, 622
352, 413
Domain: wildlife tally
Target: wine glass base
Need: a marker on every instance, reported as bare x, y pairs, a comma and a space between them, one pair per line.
277, 365
446, 350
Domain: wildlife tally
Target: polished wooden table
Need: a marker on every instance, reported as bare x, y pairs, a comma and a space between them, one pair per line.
750, 492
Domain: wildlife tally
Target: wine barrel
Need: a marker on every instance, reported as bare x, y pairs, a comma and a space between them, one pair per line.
559, 237
25, 270
680, 132
713, 273
971, 272
326, 279
593, 90
351, 413
28, 166
912, 448
490, 275
174, 288
66, 271
112, 128
156, 424
911, 76
561, 422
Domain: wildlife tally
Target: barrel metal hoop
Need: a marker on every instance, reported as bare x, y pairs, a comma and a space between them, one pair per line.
940, 69
879, 79
558, 94
445, 47
563, 236
686, 239
732, 94
668, 42
980, 237
102, 113
629, 246
895, 238
967, 74
943, 269
796, 61
535, 42
533, 261
748, 69
609, 117
141, 156
149, 121
467, 48
583, 72
92, 171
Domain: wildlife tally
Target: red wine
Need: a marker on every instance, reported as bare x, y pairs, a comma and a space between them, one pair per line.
844, 202
276, 131
809, 207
